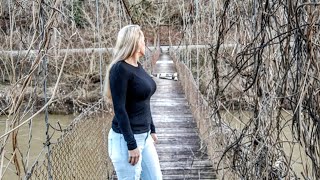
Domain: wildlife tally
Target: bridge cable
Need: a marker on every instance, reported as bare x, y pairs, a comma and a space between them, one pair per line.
42, 23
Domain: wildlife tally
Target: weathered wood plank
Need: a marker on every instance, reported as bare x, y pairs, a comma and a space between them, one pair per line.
181, 157
171, 117
166, 153
175, 125
175, 130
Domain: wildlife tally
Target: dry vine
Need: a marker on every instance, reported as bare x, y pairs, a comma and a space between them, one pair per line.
45, 67
260, 74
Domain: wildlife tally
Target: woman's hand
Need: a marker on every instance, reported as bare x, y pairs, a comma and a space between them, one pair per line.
134, 156
154, 137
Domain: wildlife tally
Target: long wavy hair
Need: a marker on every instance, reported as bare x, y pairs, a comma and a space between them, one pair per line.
126, 46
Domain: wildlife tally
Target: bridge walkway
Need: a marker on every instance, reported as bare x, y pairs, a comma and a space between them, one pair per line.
179, 148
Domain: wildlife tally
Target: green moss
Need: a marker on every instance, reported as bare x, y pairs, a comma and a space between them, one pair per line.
78, 15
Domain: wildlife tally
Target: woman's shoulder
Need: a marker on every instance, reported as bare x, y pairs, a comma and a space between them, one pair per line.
118, 65
121, 68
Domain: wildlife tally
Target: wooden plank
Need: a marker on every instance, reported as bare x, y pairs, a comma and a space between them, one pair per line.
186, 177
185, 120
187, 164
174, 155
175, 130
176, 125
177, 138
181, 135
181, 157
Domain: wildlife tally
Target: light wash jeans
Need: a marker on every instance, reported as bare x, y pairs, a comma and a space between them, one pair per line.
148, 166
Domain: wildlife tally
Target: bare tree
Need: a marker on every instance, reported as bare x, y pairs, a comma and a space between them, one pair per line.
41, 74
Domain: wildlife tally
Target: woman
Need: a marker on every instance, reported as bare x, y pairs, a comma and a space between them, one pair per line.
130, 140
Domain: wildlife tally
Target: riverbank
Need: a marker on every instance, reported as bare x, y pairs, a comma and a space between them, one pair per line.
68, 99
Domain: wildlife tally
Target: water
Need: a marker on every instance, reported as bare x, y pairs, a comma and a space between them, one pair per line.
37, 141
292, 149
38, 137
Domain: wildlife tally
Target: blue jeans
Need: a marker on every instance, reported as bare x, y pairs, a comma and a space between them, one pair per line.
148, 166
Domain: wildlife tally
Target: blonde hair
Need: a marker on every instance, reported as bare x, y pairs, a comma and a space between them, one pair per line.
126, 45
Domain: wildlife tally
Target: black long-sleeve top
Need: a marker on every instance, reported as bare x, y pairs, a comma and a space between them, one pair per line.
131, 90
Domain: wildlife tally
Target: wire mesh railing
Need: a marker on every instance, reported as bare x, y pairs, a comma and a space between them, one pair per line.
213, 137
80, 153
52, 38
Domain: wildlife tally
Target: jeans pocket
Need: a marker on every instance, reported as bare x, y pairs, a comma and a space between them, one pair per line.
110, 147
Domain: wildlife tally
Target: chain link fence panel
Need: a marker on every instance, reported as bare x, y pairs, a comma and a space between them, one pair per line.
81, 152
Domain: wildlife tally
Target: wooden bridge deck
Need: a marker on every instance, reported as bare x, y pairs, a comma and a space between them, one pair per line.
179, 144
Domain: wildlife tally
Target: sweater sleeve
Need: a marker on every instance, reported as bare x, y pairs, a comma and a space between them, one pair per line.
152, 127
118, 85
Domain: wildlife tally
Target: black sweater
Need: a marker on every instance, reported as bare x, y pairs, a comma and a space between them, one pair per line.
131, 90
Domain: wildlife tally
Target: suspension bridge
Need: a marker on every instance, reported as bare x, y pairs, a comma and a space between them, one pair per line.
179, 147
81, 152
180, 153
257, 68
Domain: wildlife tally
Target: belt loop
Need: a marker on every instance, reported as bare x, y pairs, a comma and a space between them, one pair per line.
148, 134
